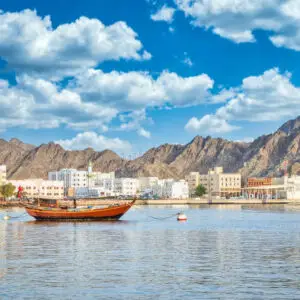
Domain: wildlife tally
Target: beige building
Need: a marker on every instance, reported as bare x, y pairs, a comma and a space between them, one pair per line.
216, 182
193, 179
2, 174
40, 188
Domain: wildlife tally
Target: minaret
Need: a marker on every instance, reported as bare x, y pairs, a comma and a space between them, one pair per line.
90, 168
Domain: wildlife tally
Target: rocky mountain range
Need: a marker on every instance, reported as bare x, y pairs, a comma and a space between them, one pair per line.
262, 157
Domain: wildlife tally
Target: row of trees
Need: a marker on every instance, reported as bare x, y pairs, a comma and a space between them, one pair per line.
7, 190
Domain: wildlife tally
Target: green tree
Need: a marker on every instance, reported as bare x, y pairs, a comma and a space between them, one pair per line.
7, 190
200, 190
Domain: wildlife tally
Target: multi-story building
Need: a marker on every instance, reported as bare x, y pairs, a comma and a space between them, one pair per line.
146, 183
193, 180
216, 182
40, 188
2, 174
126, 186
73, 178
169, 188
293, 188
95, 191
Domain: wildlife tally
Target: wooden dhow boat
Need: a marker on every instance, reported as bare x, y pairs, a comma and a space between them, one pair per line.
56, 213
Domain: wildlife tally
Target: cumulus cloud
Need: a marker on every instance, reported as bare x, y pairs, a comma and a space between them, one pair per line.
238, 19
138, 90
37, 103
164, 14
29, 43
267, 97
97, 142
209, 124
145, 133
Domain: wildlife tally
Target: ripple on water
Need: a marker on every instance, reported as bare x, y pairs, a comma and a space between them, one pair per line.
217, 254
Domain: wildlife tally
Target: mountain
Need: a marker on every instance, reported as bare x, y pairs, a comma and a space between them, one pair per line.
263, 157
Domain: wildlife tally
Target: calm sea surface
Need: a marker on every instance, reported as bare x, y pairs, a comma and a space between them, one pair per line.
233, 252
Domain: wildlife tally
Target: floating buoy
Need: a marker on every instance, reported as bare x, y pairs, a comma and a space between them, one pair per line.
181, 217
6, 217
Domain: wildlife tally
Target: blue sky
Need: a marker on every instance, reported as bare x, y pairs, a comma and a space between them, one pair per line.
130, 75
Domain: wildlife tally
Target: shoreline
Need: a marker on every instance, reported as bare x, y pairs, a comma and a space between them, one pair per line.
95, 202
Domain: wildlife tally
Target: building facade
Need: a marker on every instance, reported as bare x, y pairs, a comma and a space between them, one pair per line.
193, 180
146, 183
73, 178
126, 186
171, 189
216, 182
293, 188
40, 188
2, 174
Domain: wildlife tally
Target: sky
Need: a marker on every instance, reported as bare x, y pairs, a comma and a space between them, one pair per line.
131, 75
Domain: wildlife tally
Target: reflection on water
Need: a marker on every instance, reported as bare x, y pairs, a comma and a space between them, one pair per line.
240, 252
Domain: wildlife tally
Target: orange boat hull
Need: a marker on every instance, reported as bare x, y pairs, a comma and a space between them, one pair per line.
108, 213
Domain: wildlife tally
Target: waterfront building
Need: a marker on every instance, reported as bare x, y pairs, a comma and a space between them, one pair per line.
293, 188
73, 178
126, 186
96, 191
40, 188
266, 188
216, 182
146, 183
193, 180
254, 182
171, 189
2, 174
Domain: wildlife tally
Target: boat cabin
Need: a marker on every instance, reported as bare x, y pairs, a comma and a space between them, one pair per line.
48, 203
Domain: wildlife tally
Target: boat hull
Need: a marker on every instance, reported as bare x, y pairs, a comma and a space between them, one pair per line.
97, 214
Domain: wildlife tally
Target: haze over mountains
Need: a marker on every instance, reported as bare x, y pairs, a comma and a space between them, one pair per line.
262, 157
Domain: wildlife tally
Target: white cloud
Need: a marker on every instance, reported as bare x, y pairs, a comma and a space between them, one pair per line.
37, 103
268, 97
209, 124
238, 19
164, 14
138, 90
29, 43
97, 142
144, 133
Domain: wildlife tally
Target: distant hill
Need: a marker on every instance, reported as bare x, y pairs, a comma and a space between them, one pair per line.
262, 157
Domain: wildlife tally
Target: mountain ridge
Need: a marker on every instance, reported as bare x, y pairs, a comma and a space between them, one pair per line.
262, 157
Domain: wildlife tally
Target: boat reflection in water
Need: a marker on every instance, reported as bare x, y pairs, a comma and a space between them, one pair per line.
51, 211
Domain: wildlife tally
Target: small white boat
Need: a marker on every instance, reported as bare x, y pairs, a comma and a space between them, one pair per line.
181, 217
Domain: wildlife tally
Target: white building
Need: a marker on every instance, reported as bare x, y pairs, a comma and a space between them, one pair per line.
73, 178
84, 192
146, 183
40, 188
293, 188
126, 186
169, 188
2, 174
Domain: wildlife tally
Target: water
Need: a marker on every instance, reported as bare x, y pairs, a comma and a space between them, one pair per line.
221, 252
